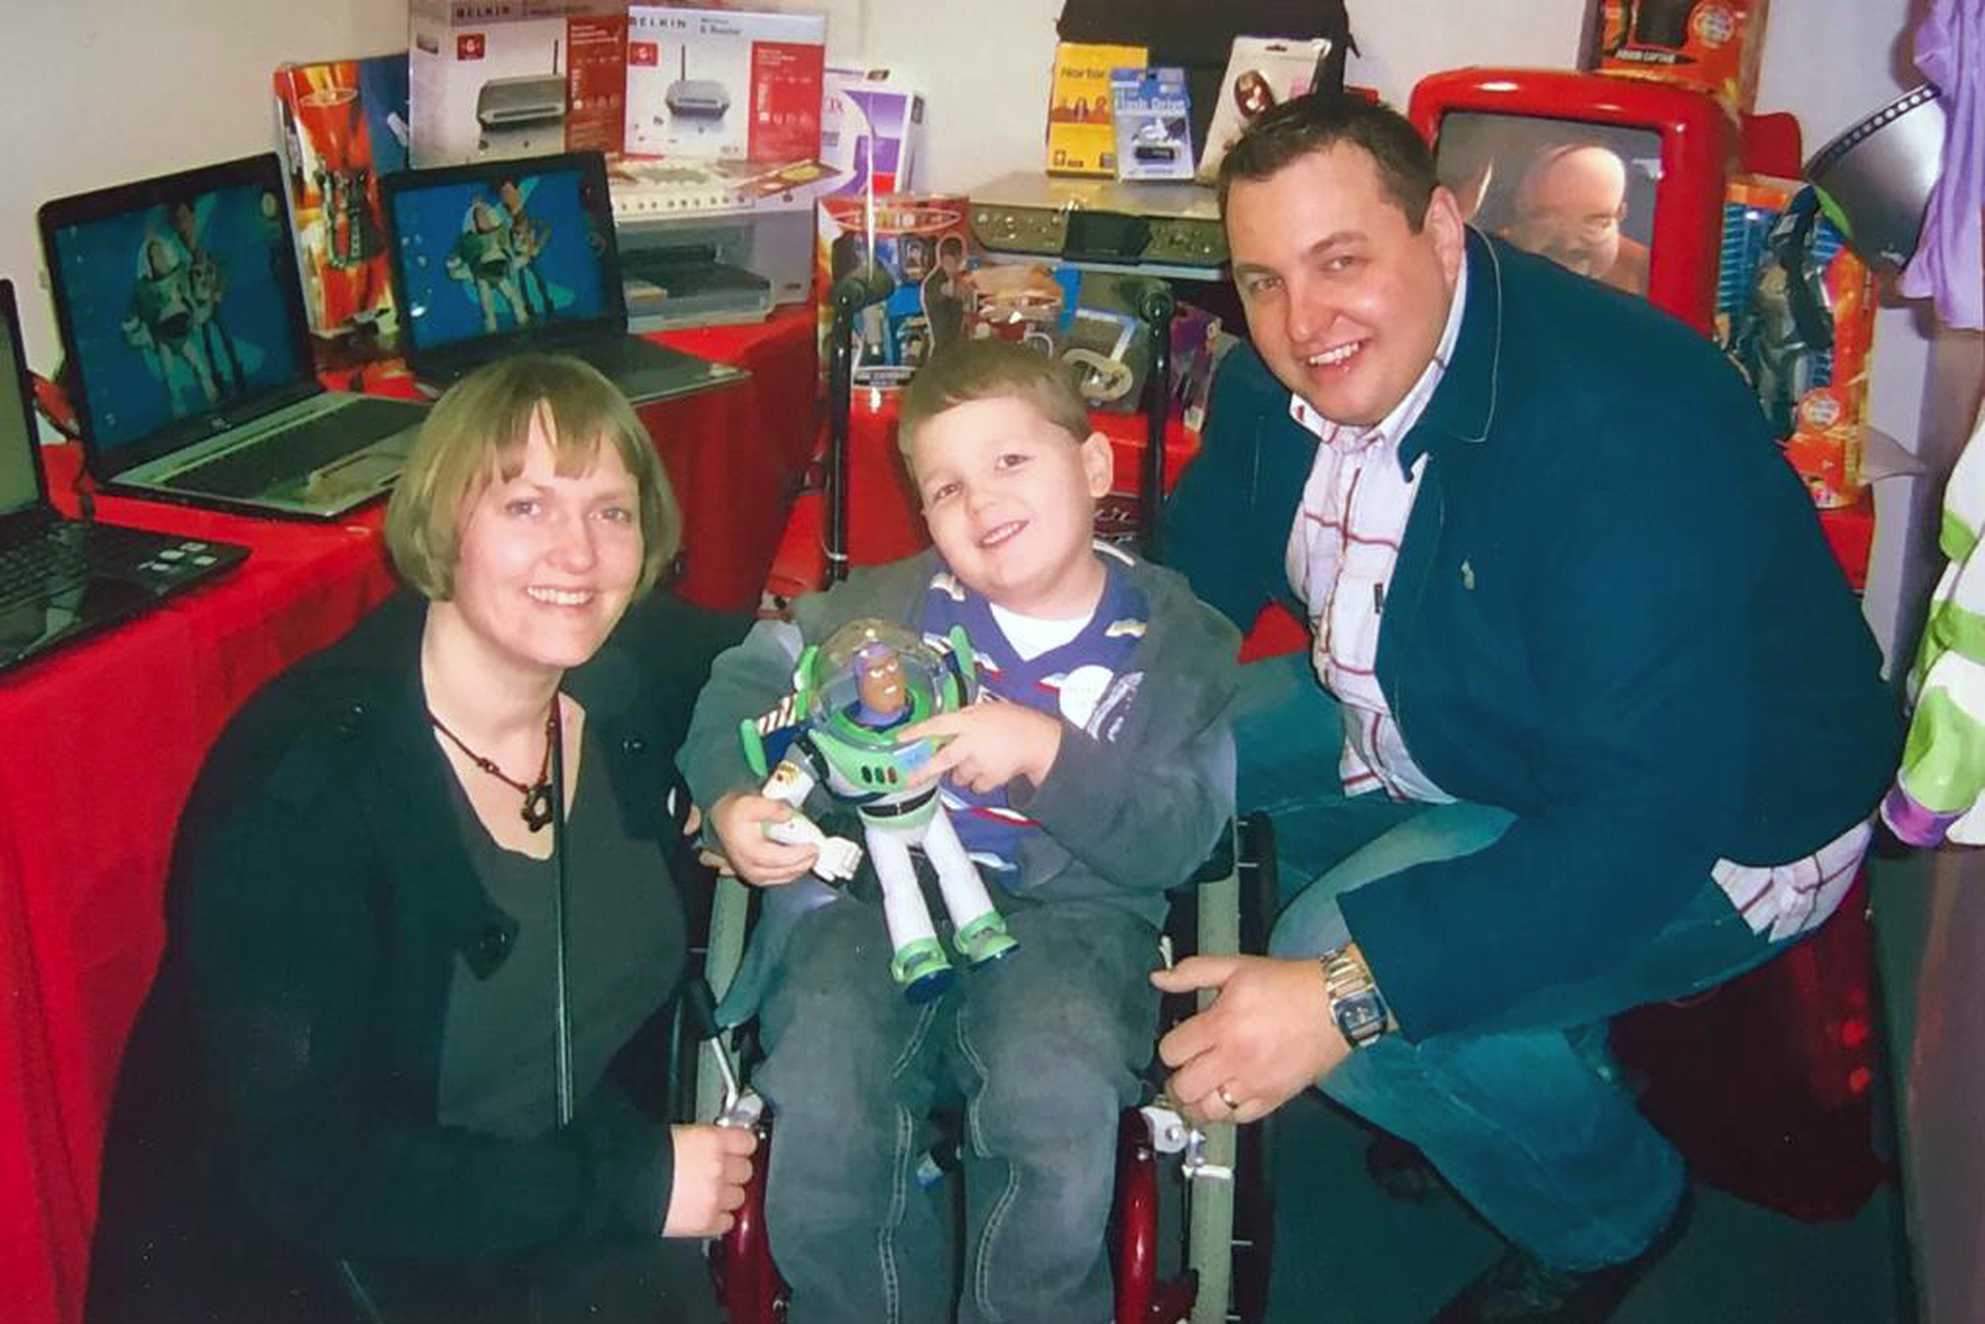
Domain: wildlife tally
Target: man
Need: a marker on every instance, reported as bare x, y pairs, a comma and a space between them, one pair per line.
1607, 726
1569, 206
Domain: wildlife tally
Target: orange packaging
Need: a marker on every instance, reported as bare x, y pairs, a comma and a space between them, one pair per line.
1815, 395
1710, 45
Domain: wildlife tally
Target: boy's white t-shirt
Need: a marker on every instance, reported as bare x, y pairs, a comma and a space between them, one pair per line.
1032, 636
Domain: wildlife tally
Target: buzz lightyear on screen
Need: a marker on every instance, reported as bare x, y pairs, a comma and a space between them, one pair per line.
849, 694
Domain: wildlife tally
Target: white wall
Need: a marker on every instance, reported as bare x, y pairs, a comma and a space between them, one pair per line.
95, 92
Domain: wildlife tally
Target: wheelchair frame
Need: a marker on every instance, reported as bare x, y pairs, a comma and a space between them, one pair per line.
1210, 1160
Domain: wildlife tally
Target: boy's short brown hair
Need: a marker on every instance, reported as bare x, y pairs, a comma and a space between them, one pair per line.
990, 369
476, 434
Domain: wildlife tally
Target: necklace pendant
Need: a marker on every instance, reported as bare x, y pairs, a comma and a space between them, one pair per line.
537, 807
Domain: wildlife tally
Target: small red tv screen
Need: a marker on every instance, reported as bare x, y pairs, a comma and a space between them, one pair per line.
1617, 179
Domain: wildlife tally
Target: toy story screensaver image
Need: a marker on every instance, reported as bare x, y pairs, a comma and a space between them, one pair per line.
483, 257
180, 307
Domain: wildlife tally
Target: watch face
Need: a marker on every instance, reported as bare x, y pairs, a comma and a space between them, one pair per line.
1361, 1017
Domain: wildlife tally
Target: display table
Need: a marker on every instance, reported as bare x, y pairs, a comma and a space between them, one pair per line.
103, 740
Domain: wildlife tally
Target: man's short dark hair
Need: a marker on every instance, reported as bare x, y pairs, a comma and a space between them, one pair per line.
1321, 120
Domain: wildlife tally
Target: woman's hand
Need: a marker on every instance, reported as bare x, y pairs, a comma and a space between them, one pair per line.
712, 1165
739, 820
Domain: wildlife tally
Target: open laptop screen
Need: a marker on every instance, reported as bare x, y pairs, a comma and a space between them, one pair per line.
503, 250
20, 479
177, 306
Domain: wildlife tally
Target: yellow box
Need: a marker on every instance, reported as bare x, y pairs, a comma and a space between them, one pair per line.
1081, 138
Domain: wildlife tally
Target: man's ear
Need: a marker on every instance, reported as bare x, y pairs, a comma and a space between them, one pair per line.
1099, 464
1444, 225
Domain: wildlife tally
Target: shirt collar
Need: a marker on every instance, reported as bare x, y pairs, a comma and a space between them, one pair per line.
1463, 408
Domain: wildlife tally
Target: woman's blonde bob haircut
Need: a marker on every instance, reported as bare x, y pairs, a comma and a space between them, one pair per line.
476, 435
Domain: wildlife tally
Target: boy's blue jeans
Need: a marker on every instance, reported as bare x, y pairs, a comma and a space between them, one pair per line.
1045, 1048
1525, 1116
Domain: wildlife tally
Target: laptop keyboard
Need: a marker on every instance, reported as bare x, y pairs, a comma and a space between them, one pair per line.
295, 452
68, 555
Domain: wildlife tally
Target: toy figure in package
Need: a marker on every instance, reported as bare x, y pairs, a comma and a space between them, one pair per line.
344, 126
910, 257
1795, 310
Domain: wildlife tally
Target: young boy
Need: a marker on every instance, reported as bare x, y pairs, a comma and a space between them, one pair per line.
1096, 773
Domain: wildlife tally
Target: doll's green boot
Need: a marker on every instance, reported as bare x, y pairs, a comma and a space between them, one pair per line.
922, 968
985, 939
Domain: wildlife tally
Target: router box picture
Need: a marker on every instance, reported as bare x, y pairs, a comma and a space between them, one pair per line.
503, 78
724, 85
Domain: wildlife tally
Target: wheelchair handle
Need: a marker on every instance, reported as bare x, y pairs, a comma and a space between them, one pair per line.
1170, 1134
742, 1107
699, 1007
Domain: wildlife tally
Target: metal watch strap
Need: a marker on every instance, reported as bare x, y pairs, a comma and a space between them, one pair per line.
1355, 1005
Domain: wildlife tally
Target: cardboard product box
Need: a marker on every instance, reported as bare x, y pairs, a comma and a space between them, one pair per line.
914, 255
872, 132
1153, 123
505, 78
724, 85
1261, 72
1081, 137
342, 126
1795, 309
1710, 45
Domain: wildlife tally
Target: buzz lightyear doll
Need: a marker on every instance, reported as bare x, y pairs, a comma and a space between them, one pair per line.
835, 731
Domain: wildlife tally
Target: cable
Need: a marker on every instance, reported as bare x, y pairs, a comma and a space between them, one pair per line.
562, 1031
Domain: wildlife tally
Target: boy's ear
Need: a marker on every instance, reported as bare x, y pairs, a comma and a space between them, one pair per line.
1099, 464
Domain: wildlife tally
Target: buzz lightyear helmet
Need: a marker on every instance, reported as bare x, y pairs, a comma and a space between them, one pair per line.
840, 677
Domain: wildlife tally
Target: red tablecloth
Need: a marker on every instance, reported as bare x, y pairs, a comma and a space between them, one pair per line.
102, 741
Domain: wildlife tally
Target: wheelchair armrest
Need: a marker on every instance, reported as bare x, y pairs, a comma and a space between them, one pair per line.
1224, 909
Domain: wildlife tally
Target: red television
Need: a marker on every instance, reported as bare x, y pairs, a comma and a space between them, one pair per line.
1619, 179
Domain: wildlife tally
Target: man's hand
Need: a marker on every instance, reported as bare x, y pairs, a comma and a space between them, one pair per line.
712, 1165
739, 820
1266, 1038
987, 745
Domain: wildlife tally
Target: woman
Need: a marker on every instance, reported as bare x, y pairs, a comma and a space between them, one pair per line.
370, 880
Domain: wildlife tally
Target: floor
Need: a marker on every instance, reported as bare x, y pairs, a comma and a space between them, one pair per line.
1346, 1253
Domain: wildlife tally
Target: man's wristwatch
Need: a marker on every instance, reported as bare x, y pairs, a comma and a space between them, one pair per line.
1355, 1004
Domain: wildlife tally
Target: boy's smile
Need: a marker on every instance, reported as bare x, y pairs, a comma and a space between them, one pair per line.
1010, 499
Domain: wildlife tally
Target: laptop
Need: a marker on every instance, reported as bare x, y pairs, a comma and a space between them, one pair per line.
506, 256
182, 318
61, 578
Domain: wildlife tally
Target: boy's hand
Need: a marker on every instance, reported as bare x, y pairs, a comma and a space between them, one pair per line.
712, 1165
740, 819
989, 744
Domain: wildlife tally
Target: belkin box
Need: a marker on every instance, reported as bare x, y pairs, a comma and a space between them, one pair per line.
503, 78
724, 84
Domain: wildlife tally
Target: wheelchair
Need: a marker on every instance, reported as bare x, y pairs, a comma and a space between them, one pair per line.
1189, 1231
1190, 1226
